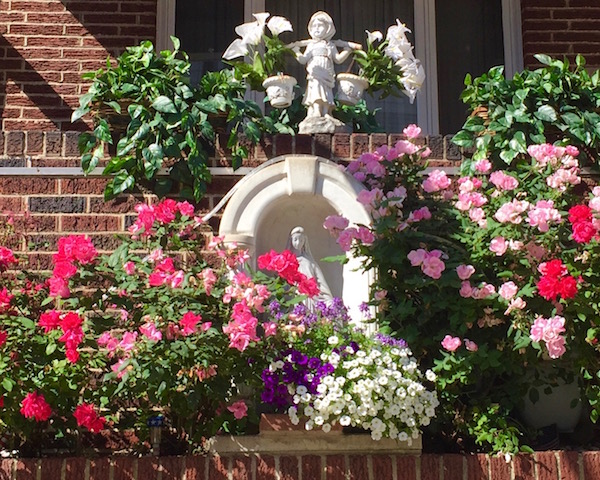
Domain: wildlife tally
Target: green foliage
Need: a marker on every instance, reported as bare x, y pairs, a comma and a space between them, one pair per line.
557, 103
359, 116
145, 107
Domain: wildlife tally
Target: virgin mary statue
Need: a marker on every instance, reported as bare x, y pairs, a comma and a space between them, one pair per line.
298, 244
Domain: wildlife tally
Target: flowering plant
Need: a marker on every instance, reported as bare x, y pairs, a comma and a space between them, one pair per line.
265, 53
484, 284
389, 65
166, 323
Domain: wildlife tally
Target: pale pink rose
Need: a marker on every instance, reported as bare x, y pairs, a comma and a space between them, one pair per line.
595, 203
596, 191
335, 223
451, 343
426, 153
412, 131
416, 257
466, 290
498, 245
536, 332
502, 181
465, 271
477, 215
556, 348
515, 304
470, 345
129, 268
543, 214
483, 166
345, 238
515, 245
484, 291
511, 212
433, 267
436, 181
365, 235
468, 184
508, 290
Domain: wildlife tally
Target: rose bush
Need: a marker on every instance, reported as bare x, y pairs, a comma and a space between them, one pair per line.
169, 323
487, 277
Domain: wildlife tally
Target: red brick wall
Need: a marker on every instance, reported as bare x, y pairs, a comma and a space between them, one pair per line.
48, 207
561, 27
559, 465
45, 46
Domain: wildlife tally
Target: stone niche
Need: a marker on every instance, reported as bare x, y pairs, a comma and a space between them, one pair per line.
299, 190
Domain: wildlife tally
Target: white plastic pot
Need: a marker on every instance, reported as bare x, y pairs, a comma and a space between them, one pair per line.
280, 90
350, 88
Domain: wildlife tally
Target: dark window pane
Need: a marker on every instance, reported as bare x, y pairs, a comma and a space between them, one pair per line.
469, 40
206, 28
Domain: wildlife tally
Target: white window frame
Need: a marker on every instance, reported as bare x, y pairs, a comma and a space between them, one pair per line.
425, 35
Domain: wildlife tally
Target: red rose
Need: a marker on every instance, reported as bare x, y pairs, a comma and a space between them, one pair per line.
580, 213
34, 405
583, 231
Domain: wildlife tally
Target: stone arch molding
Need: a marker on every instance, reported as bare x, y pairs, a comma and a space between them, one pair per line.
299, 190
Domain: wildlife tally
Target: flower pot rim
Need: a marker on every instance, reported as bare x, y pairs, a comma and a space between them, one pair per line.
267, 82
353, 78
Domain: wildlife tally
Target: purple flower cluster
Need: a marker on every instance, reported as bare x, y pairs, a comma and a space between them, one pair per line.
391, 341
298, 370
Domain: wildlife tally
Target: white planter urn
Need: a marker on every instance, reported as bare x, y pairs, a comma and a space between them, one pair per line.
350, 88
280, 90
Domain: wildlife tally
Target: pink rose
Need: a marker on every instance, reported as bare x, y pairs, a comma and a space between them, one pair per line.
470, 345
412, 131
451, 343
335, 223
436, 181
466, 290
508, 290
483, 166
416, 257
498, 245
433, 267
464, 272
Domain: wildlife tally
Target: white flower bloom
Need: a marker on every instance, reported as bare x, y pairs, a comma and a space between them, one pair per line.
333, 340
345, 420
429, 375
326, 427
308, 411
319, 420
403, 436
374, 36
279, 25
301, 390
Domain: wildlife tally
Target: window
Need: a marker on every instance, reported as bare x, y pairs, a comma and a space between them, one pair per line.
451, 38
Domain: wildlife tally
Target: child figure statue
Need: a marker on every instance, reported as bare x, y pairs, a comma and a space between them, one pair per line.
320, 54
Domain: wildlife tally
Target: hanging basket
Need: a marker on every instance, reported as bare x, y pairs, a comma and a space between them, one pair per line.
280, 90
350, 88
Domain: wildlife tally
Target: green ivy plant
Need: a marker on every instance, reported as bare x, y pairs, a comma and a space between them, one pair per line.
146, 106
555, 103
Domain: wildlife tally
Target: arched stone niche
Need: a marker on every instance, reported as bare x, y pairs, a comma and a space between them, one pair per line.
299, 190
